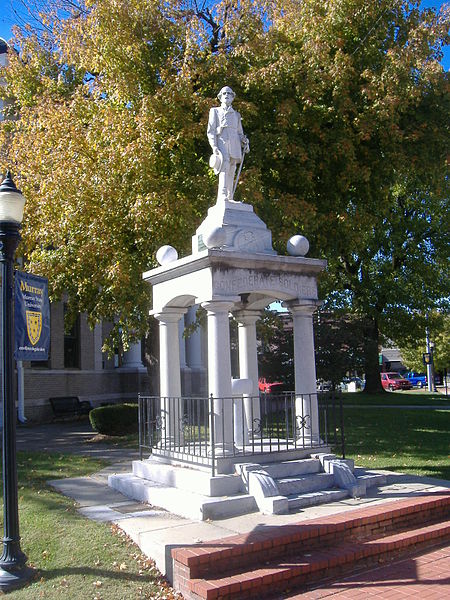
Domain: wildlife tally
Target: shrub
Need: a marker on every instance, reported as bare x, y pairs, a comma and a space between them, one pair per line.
116, 419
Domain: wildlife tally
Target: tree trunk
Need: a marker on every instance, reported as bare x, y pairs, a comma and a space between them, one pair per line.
371, 363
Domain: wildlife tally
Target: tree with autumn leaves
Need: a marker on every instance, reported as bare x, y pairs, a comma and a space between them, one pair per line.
344, 101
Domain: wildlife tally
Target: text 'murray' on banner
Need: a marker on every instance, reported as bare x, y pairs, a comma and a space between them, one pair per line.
31, 317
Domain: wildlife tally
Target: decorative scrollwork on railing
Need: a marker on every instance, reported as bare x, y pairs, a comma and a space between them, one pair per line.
256, 426
159, 422
155, 430
302, 422
185, 427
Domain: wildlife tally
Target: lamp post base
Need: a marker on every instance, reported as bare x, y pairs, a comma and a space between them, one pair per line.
15, 578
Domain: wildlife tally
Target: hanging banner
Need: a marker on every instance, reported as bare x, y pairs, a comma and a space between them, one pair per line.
427, 358
31, 317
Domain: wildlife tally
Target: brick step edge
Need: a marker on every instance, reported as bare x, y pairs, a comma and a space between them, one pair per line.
310, 567
245, 550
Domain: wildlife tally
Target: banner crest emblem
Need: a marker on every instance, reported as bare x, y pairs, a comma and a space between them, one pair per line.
34, 326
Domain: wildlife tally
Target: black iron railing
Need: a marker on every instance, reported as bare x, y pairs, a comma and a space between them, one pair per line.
202, 429
332, 408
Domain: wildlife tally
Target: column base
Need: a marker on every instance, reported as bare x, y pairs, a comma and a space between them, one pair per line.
133, 367
224, 451
310, 441
170, 442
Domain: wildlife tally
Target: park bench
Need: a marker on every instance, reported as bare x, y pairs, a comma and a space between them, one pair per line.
69, 406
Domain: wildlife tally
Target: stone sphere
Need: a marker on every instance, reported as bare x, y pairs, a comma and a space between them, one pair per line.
298, 245
215, 238
166, 255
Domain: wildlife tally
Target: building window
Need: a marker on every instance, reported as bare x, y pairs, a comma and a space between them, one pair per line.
72, 344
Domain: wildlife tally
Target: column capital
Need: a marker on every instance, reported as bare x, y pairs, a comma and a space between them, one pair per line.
303, 307
169, 315
247, 316
217, 305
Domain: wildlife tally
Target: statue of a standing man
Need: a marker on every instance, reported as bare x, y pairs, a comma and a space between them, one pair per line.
227, 141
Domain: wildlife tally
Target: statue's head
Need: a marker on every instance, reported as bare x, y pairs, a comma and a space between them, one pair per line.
226, 90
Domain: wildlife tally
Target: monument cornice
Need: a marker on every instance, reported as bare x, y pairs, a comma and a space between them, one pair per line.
225, 260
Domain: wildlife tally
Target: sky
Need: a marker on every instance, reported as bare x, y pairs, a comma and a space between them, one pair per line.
7, 20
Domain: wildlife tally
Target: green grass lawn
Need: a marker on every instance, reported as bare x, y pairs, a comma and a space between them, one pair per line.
409, 441
75, 558
410, 398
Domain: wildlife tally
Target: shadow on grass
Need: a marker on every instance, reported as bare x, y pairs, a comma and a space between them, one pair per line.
438, 473
97, 573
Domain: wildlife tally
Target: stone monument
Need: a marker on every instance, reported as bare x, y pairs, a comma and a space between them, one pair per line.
233, 269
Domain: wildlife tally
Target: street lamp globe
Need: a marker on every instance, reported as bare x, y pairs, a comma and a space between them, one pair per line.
12, 201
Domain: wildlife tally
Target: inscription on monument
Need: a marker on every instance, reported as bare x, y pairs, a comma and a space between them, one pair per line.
235, 281
248, 242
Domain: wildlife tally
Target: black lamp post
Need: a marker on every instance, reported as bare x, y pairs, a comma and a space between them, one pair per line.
14, 572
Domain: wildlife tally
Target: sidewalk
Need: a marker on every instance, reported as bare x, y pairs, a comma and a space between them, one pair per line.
70, 438
157, 532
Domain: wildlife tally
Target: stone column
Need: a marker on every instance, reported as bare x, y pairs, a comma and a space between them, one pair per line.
194, 355
170, 376
306, 404
185, 370
219, 374
183, 364
132, 358
248, 367
98, 343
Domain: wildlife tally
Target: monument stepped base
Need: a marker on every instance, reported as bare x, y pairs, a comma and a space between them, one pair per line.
272, 488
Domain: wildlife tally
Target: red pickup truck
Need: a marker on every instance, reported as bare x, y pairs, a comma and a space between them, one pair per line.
268, 387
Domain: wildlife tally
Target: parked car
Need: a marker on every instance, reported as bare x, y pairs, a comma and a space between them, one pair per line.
324, 386
394, 381
355, 383
269, 387
417, 379
359, 383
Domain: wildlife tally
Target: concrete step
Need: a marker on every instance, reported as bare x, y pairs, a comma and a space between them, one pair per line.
303, 484
231, 568
370, 478
316, 498
182, 502
292, 468
309, 567
192, 480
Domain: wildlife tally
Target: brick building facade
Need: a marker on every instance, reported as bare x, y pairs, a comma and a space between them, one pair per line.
78, 367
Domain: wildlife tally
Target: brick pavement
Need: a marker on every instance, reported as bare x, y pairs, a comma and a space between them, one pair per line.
297, 555
426, 577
